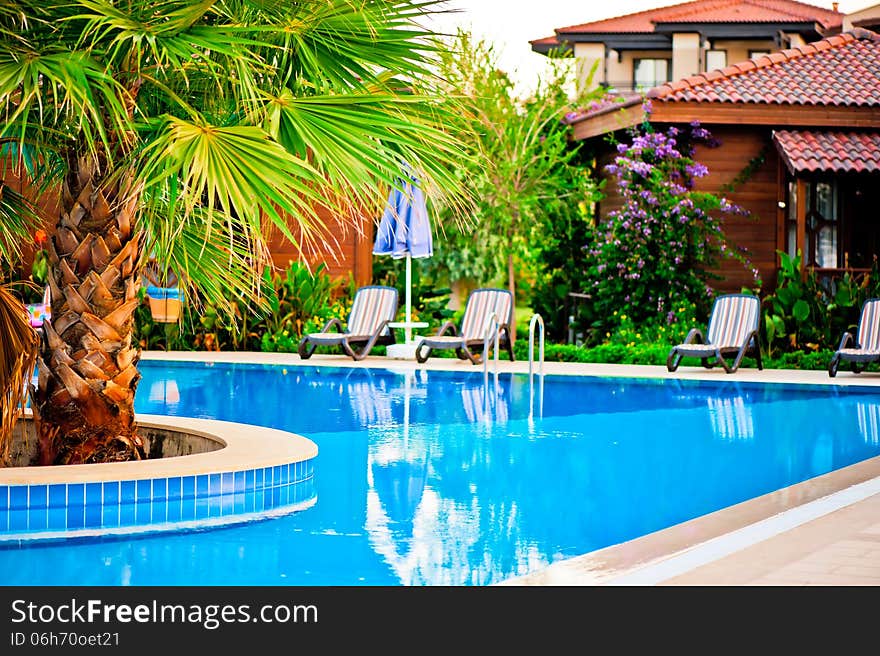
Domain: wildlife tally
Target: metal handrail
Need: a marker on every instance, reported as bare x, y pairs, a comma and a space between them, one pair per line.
536, 320
491, 323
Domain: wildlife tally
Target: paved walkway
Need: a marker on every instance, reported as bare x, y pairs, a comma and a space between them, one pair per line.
825, 531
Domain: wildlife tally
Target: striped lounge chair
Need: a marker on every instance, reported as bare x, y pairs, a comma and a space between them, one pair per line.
733, 330
481, 304
865, 346
373, 308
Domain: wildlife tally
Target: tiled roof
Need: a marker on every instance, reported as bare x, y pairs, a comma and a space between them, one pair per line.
751, 11
814, 151
710, 11
841, 70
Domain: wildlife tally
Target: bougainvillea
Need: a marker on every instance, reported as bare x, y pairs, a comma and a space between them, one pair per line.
663, 246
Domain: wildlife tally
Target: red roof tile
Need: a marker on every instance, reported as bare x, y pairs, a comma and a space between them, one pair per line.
751, 11
709, 11
840, 70
813, 151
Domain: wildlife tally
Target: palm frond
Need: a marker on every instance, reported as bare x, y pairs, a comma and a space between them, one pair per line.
238, 170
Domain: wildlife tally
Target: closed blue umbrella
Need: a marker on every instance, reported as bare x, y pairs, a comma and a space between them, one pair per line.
405, 231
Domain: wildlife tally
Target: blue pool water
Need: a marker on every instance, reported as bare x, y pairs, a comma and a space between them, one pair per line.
450, 478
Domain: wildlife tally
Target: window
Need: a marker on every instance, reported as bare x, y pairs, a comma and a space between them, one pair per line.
716, 59
822, 223
648, 73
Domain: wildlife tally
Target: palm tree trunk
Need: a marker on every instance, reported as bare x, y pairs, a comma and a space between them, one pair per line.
87, 367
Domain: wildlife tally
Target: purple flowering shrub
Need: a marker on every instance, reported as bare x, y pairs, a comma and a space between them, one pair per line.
658, 251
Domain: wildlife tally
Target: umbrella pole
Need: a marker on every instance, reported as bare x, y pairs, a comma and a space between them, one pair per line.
407, 331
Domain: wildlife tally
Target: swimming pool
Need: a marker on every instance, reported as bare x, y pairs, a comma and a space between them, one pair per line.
445, 478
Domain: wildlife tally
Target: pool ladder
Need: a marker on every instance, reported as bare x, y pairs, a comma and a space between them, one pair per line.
536, 322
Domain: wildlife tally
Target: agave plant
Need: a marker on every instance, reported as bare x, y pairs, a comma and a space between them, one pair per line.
187, 131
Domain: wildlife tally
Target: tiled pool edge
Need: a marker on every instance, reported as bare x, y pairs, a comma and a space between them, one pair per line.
259, 471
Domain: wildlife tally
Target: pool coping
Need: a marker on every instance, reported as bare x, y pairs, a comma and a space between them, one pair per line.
244, 447
659, 556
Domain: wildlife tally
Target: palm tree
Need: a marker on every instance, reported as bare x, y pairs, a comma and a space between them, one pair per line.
185, 131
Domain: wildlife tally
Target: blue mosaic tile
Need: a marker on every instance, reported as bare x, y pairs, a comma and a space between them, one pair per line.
258, 479
188, 509
110, 516
249, 479
4, 497
214, 484
76, 495
39, 497
127, 492
159, 511
126, 514
276, 475
58, 496
144, 490
238, 503
175, 488
202, 507
276, 497
111, 493
227, 483
18, 520
142, 512
214, 505
94, 494
94, 515
18, 497
175, 510
227, 504
202, 486
76, 515
57, 519
4, 520
188, 484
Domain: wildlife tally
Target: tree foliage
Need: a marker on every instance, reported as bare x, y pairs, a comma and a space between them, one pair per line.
520, 160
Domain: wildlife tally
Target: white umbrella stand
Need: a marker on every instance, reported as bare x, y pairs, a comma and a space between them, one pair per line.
406, 350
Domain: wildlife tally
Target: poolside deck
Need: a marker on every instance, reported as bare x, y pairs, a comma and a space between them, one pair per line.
824, 531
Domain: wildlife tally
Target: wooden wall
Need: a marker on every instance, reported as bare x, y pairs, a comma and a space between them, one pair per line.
345, 247
758, 194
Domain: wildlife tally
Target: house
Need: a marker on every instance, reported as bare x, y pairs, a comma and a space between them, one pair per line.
800, 146
639, 51
868, 18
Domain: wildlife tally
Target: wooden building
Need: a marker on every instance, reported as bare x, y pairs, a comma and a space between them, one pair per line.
800, 143
345, 247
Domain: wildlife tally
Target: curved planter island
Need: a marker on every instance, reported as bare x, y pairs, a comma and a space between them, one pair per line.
198, 473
